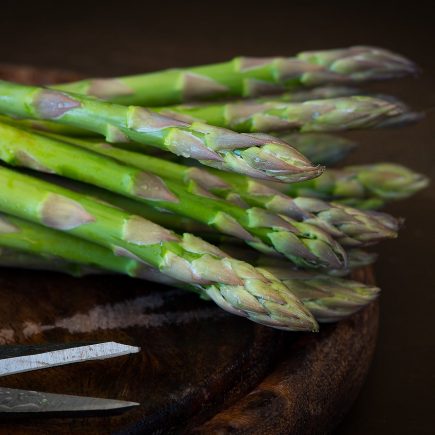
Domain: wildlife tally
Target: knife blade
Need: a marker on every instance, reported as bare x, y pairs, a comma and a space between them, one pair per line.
14, 402
22, 358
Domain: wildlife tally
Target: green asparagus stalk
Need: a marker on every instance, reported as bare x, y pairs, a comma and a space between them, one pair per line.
320, 148
349, 226
263, 157
365, 186
329, 299
333, 114
35, 240
137, 244
248, 77
302, 243
297, 96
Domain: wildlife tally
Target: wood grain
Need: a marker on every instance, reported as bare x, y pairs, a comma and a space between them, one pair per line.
197, 363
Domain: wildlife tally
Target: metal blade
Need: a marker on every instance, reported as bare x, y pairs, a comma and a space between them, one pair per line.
19, 402
18, 359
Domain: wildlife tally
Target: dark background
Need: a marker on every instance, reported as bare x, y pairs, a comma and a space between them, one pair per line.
104, 38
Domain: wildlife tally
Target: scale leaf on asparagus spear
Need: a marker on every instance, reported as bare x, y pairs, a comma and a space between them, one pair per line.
31, 246
234, 285
248, 77
264, 157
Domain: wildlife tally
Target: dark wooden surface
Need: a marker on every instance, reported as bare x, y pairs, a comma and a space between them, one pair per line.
195, 360
120, 38
194, 357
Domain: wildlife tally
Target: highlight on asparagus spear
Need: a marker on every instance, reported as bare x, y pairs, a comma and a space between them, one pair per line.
368, 186
333, 114
137, 245
349, 226
248, 77
320, 148
264, 157
329, 299
303, 243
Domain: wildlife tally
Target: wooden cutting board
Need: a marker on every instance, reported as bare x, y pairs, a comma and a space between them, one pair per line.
200, 370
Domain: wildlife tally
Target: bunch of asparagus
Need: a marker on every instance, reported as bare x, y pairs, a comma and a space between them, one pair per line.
226, 198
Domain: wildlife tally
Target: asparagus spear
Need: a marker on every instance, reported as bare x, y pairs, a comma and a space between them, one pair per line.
349, 226
137, 244
367, 186
297, 96
332, 114
329, 299
35, 240
248, 77
320, 148
263, 157
302, 243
